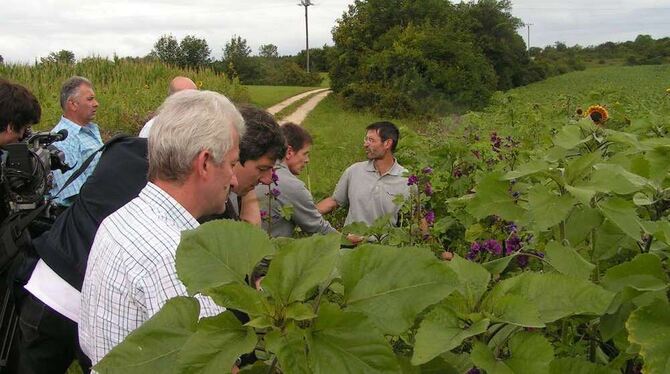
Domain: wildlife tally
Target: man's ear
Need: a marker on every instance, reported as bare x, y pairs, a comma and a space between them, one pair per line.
201, 163
289, 152
388, 144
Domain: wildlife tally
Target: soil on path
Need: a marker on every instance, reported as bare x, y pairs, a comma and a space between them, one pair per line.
302, 111
278, 107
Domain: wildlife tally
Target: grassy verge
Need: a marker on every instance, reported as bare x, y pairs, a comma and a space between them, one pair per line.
267, 96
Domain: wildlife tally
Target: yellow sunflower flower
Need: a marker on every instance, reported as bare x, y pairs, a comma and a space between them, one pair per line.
199, 84
597, 113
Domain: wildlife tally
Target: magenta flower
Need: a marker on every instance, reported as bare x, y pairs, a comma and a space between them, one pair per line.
275, 192
430, 217
412, 180
275, 177
264, 214
427, 170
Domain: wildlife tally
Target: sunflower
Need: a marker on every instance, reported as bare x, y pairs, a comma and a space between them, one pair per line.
597, 113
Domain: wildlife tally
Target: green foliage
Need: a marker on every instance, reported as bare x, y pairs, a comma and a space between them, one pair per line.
61, 57
529, 353
649, 327
192, 52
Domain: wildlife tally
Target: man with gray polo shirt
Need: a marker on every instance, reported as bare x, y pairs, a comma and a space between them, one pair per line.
369, 188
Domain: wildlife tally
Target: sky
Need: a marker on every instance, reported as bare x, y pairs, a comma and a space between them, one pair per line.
30, 29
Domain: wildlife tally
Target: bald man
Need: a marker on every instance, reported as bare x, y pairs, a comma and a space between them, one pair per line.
176, 85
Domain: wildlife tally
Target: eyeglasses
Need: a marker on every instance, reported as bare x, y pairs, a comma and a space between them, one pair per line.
368, 139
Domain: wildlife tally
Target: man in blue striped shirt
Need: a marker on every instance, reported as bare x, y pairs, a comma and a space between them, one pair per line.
77, 99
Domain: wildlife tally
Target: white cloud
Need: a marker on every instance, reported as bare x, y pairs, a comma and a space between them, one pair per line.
32, 28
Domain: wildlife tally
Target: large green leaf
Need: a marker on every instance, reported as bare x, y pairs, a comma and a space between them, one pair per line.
573, 365
473, 279
220, 252
583, 194
649, 327
622, 213
240, 297
569, 137
529, 353
659, 163
393, 285
438, 365
497, 266
440, 331
511, 309
493, 198
300, 265
532, 167
290, 347
580, 223
346, 342
616, 179
643, 273
567, 261
581, 166
547, 209
609, 238
153, 347
556, 295
216, 344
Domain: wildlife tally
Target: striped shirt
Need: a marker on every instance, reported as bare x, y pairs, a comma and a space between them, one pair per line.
131, 270
80, 143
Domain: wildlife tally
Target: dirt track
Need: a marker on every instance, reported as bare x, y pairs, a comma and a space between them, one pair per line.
302, 111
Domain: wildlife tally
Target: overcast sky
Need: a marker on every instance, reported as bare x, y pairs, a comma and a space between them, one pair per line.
30, 29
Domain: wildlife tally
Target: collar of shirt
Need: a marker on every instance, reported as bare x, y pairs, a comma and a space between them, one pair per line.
166, 207
74, 129
395, 170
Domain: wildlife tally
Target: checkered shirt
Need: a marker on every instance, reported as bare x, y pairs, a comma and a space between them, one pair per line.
80, 143
131, 270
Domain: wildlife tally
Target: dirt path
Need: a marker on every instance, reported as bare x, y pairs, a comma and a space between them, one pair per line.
302, 111
278, 107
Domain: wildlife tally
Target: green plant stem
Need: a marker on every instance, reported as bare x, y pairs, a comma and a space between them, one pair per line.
592, 343
273, 366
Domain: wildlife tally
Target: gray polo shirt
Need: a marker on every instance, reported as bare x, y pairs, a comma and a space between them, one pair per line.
369, 195
292, 191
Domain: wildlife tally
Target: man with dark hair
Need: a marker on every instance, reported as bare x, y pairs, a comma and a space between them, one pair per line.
291, 191
369, 188
19, 110
77, 99
261, 146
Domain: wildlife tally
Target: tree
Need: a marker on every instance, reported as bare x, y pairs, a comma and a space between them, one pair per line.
2, 60
237, 60
61, 57
167, 50
194, 52
268, 51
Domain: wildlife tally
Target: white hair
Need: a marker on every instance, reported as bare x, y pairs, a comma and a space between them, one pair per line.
187, 123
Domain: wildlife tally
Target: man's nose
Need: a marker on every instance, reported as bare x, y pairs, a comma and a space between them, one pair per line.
233, 181
266, 177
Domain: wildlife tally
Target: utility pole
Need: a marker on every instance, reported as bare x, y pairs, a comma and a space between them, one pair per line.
528, 25
306, 3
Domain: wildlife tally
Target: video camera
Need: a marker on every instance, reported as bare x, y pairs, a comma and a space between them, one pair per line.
26, 171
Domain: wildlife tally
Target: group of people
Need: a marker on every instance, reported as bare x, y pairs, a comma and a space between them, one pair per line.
108, 262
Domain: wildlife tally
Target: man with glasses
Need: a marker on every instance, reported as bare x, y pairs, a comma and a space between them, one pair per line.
369, 188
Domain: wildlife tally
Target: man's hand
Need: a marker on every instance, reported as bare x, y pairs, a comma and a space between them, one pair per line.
326, 205
355, 239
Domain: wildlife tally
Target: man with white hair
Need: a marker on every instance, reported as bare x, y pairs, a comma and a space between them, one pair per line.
176, 85
131, 271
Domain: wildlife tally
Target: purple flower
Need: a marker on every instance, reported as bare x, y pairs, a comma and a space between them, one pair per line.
511, 227
275, 192
512, 244
493, 246
430, 217
427, 170
275, 177
412, 180
522, 261
474, 371
457, 173
428, 190
264, 214
475, 247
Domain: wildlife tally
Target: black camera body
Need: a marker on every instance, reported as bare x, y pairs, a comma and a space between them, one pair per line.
26, 170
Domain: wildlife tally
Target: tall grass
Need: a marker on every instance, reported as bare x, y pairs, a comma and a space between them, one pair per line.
129, 92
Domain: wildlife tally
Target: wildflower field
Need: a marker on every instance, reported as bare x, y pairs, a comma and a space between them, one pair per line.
538, 242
